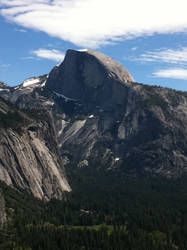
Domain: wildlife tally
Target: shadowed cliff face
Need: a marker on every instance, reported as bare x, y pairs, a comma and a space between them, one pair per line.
124, 125
101, 116
91, 78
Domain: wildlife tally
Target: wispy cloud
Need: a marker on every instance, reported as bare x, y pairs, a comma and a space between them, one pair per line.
172, 73
28, 57
54, 55
92, 23
20, 30
167, 56
4, 65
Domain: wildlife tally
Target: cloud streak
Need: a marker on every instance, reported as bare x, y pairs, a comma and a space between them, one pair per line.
176, 57
172, 73
167, 56
3, 65
20, 30
54, 55
92, 23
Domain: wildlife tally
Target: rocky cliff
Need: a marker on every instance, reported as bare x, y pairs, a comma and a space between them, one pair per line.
102, 117
116, 122
29, 157
90, 78
3, 217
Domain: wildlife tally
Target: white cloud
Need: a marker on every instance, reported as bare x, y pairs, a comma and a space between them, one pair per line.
53, 54
172, 73
91, 23
167, 55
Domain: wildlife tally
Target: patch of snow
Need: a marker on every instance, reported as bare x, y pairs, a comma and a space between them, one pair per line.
5, 90
83, 50
30, 81
64, 97
49, 103
91, 116
117, 159
16, 87
43, 84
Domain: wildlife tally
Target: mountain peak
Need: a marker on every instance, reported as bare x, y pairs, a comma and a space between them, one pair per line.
114, 67
90, 77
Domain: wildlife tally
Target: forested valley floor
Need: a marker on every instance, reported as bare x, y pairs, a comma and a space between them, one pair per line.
105, 211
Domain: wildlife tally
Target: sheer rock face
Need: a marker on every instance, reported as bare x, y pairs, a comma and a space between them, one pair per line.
101, 116
30, 159
91, 78
27, 161
3, 217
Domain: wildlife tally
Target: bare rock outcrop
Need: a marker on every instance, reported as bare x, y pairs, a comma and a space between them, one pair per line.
90, 78
3, 217
29, 157
102, 117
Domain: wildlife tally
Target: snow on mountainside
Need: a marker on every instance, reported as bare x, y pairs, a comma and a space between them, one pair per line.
2, 89
30, 81
64, 97
34, 82
20, 94
101, 115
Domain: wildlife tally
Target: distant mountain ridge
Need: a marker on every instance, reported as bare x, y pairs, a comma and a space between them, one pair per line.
100, 116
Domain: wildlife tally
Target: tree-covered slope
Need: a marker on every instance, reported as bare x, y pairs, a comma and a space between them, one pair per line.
103, 212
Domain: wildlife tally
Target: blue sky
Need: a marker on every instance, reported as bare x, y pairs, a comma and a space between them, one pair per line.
148, 37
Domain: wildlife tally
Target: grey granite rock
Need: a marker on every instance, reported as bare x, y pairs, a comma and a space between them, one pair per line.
29, 159
102, 117
91, 78
3, 216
